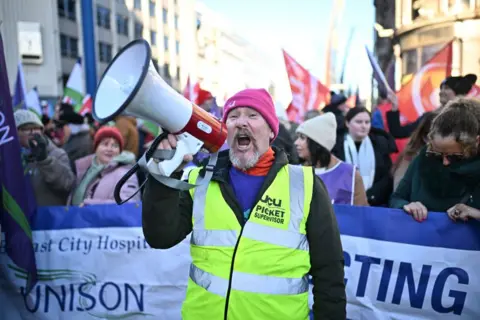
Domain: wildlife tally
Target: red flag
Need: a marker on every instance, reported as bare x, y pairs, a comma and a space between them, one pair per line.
420, 94
191, 91
308, 93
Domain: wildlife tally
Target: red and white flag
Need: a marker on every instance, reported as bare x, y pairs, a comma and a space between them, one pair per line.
420, 94
86, 105
308, 93
191, 91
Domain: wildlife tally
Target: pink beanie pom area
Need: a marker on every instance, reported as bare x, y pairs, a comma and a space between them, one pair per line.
257, 99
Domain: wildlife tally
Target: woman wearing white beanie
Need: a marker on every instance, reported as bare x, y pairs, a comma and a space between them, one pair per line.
316, 139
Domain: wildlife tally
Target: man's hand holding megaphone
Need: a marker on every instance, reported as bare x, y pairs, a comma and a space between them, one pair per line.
170, 143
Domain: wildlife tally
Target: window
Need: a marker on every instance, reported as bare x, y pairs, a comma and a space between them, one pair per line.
153, 7
166, 71
138, 32
425, 9
429, 51
165, 15
155, 64
153, 38
137, 4
105, 52
67, 9
65, 78
68, 46
177, 46
103, 17
409, 59
165, 42
176, 22
458, 6
122, 25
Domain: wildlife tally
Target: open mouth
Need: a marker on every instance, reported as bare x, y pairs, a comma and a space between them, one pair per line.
243, 141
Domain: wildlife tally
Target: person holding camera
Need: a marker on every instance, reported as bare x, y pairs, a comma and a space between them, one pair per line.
258, 228
48, 166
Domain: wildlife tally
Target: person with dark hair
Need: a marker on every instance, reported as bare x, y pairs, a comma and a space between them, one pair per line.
338, 107
316, 138
369, 150
78, 142
445, 176
450, 88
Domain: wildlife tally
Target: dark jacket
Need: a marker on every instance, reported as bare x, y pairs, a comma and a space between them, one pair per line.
284, 141
383, 145
52, 179
167, 220
395, 127
438, 187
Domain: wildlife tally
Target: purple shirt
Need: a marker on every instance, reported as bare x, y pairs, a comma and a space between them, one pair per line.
246, 188
340, 182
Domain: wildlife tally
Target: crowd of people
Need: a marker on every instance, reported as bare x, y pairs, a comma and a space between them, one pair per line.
273, 185
73, 161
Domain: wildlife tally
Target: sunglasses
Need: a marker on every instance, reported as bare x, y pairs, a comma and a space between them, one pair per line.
451, 157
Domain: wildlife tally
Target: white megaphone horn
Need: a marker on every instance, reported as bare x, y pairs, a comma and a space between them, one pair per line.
132, 86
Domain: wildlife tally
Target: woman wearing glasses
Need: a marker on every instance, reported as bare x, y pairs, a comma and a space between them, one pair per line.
445, 176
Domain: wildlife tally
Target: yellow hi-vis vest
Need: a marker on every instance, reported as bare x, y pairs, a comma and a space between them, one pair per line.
258, 272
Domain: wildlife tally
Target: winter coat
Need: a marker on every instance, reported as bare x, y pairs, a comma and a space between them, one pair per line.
383, 145
439, 187
167, 220
52, 179
101, 189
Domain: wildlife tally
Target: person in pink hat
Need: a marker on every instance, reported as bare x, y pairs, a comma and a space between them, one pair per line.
259, 228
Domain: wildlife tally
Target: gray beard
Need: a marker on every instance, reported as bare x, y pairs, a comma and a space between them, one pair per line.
242, 164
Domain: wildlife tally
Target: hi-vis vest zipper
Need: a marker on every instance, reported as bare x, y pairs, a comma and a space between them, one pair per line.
258, 272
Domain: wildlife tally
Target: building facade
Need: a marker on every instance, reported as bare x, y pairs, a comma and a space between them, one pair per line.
424, 26
94, 30
384, 20
227, 62
186, 38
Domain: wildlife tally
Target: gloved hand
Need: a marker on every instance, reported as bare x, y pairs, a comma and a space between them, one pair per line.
38, 147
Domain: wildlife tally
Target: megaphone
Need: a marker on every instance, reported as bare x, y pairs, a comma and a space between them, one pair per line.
131, 86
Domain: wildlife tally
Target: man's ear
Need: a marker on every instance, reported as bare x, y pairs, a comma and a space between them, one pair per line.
271, 135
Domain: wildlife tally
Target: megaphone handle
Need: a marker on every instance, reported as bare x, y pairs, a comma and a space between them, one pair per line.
134, 169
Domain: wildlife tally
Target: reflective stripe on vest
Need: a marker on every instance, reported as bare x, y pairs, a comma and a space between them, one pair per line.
290, 238
248, 283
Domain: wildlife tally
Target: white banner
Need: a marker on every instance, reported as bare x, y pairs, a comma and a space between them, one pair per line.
98, 273
395, 268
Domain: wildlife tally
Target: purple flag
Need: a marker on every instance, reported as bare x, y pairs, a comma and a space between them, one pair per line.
18, 201
20, 93
390, 73
383, 86
215, 109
